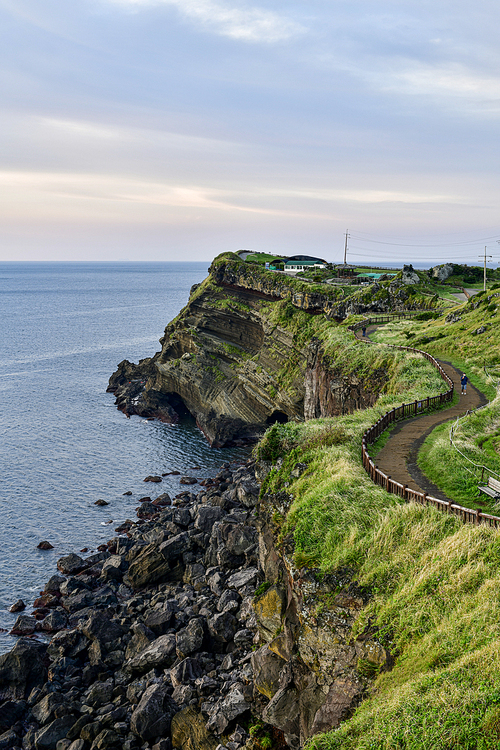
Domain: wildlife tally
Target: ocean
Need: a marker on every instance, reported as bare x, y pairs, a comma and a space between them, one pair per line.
63, 443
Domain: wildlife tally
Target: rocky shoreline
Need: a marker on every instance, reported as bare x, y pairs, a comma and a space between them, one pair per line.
152, 636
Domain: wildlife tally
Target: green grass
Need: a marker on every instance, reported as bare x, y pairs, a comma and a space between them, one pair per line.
434, 582
477, 438
457, 341
435, 592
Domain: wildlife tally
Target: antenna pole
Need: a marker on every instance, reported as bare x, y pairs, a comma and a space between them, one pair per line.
345, 247
484, 272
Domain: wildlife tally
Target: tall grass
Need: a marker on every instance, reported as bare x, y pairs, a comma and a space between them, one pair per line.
477, 437
434, 583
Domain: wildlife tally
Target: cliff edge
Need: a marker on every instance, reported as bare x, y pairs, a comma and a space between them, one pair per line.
248, 350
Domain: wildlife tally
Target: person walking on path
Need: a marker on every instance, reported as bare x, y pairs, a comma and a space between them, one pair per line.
364, 330
463, 382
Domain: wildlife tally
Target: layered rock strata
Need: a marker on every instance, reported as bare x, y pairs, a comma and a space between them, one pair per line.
236, 367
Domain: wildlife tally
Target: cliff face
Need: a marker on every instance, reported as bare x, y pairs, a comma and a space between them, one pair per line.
235, 365
313, 668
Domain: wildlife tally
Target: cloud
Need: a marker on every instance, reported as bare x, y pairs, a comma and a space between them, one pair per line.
48, 194
244, 23
451, 79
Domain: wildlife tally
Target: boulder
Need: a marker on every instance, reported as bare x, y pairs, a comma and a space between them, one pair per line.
141, 638
10, 713
108, 738
48, 737
206, 517
43, 711
114, 568
222, 627
243, 578
160, 653
266, 671
99, 627
68, 643
54, 621
22, 669
227, 709
248, 493
283, 712
154, 563
240, 538
441, 273
186, 671
159, 620
9, 740
189, 732
342, 697
269, 609
24, 625
71, 564
153, 715
190, 638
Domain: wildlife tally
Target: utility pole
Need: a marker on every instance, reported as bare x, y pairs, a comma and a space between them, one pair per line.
484, 275
345, 247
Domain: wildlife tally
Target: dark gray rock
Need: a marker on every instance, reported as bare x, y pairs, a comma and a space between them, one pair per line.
100, 693
54, 622
43, 711
206, 517
22, 669
222, 627
71, 564
153, 715
160, 653
68, 643
99, 627
141, 638
159, 620
10, 713
186, 671
248, 493
48, 737
9, 740
114, 568
154, 563
228, 597
189, 639
24, 625
248, 576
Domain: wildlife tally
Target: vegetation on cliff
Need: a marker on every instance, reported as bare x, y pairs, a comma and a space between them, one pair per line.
433, 581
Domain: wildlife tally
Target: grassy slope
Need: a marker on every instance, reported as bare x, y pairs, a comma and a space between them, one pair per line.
435, 582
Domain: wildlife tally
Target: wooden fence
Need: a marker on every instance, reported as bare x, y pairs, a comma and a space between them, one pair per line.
404, 412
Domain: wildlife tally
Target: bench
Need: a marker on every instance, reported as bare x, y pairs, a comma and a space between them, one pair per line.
492, 488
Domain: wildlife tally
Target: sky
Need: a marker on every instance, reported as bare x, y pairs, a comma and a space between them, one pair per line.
180, 129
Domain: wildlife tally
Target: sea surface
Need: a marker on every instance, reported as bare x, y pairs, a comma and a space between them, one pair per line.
63, 444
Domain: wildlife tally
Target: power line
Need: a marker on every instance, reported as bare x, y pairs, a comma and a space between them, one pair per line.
435, 244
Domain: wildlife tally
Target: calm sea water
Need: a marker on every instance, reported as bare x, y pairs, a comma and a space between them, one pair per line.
63, 444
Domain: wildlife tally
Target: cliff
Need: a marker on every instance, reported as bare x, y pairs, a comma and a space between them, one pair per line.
248, 350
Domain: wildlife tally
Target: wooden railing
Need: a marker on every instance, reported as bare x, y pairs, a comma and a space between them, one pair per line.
405, 411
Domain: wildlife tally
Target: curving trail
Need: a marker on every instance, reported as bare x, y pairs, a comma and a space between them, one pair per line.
398, 458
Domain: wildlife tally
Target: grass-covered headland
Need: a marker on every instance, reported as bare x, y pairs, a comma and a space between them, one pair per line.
434, 582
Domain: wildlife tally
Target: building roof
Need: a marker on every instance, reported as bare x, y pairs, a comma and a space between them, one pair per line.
374, 276
306, 257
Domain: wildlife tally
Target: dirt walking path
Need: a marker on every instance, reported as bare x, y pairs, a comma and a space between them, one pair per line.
398, 457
